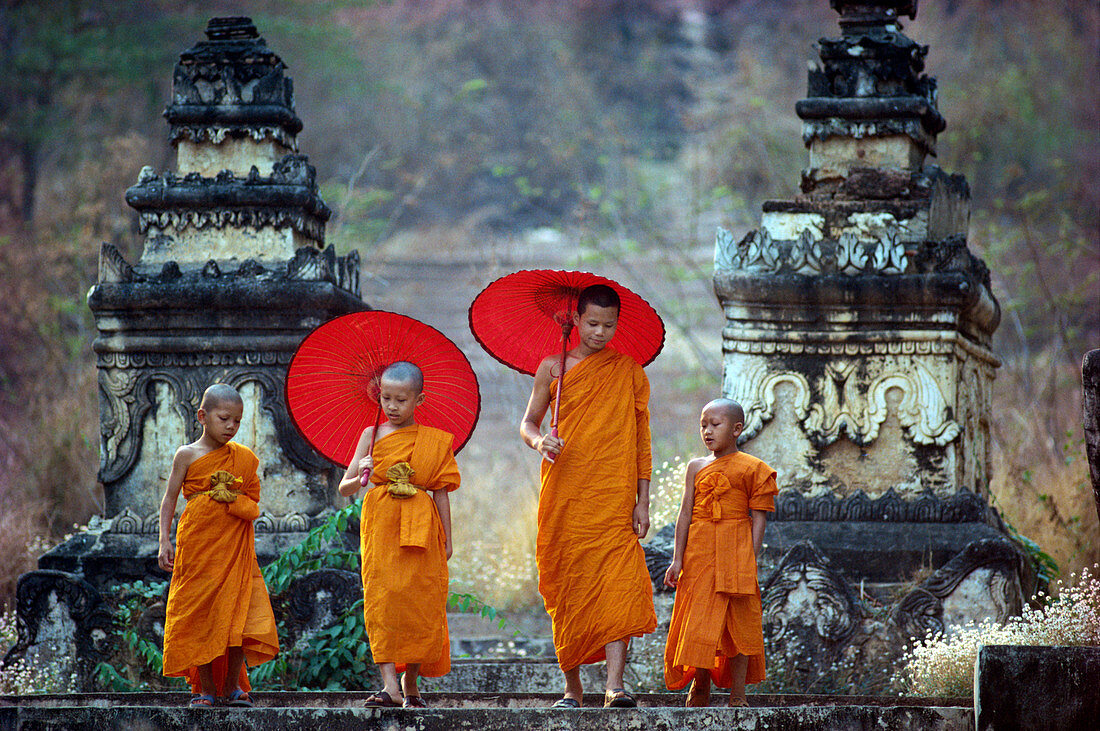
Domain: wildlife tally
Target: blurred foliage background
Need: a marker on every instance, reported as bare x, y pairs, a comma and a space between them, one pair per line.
627, 126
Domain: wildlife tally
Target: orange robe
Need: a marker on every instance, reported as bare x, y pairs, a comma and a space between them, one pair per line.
717, 611
592, 572
405, 580
217, 598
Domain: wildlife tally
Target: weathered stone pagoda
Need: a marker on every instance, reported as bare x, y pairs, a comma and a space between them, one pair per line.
234, 273
858, 329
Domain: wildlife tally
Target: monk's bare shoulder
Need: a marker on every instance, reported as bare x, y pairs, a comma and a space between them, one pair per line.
699, 463
186, 455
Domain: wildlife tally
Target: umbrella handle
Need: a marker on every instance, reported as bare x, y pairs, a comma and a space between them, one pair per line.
566, 328
365, 479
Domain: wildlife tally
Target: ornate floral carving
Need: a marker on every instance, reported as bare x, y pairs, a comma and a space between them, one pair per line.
758, 253
843, 400
129, 522
891, 507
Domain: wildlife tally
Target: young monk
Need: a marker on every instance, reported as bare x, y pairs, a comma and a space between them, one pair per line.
405, 539
594, 501
218, 613
716, 631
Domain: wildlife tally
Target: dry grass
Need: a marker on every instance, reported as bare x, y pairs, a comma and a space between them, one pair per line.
1040, 473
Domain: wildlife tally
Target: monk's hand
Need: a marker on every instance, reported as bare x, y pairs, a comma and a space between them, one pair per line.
672, 575
641, 519
550, 447
366, 464
166, 557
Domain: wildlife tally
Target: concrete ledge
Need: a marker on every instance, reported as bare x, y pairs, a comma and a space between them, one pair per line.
1019, 686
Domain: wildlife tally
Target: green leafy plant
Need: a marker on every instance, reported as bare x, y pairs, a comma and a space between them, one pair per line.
320, 550
139, 661
337, 657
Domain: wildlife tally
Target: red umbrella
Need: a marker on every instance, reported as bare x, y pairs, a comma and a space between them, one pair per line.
332, 382
523, 317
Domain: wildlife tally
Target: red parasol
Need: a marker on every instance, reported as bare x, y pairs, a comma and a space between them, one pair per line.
517, 318
332, 382
523, 317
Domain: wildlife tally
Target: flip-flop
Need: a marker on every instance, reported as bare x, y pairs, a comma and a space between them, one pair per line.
239, 699
619, 698
203, 700
566, 703
380, 699
414, 701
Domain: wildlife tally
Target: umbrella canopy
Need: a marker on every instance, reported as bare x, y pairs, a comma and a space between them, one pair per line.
332, 383
518, 318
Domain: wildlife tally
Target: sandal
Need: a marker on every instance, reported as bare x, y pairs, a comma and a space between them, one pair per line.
738, 703
239, 699
203, 700
566, 703
414, 701
380, 699
619, 698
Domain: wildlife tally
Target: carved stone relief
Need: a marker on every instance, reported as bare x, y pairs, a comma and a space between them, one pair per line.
809, 254
844, 400
982, 582
62, 623
808, 608
315, 602
149, 402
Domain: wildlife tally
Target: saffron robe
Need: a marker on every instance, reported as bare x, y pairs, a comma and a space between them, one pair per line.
217, 598
404, 551
717, 613
592, 571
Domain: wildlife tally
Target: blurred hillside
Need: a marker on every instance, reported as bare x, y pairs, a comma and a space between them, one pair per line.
611, 135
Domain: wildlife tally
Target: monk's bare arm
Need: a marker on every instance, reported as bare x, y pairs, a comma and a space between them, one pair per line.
640, 518
530, 429
683, 524
351, 483
166, 555
759, 520
443, 505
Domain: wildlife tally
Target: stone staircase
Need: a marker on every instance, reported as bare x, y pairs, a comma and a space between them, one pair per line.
480, 711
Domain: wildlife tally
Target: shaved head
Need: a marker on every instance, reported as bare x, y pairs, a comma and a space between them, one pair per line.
405, 372
600, 295
729, 407
218, 394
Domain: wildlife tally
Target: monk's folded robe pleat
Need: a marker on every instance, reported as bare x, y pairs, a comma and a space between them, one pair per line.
717, 614
217, 597
592, 572
405, 579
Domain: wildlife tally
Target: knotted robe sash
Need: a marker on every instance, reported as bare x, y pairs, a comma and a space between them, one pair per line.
725, 511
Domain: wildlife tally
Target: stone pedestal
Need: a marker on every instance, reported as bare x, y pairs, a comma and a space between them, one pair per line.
234, 274
857, 338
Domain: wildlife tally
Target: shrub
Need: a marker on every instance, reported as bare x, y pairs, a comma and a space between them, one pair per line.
943, 665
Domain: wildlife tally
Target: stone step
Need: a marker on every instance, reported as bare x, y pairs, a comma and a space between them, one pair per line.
340, 710
511, 676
